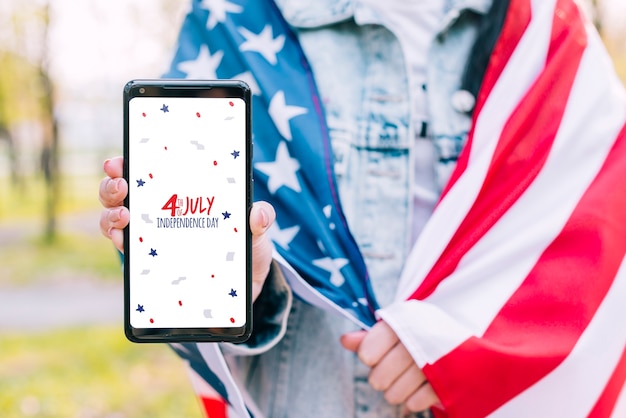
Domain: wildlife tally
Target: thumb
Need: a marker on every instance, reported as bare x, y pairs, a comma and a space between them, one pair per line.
262, 216
352, 340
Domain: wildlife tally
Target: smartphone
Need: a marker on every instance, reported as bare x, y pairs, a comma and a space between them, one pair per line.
187, 161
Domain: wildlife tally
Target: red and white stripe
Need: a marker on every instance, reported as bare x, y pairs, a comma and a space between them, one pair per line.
211, 403
513, 299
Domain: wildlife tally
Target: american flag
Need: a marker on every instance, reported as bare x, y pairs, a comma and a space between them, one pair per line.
292, 167
513, 298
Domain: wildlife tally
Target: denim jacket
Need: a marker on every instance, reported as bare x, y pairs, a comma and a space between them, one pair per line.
294, 366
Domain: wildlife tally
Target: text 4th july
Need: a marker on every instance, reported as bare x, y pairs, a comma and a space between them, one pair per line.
188, 205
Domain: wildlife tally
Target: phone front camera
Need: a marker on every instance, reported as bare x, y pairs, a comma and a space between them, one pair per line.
142, 90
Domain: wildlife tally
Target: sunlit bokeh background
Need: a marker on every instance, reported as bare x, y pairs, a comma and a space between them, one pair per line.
63, 64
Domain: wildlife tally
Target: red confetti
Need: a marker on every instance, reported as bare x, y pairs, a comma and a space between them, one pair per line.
235, 229
140, 239
214, 162
232, 320
151, 321
180, 303
212, 276
231, 104
165, 148
198, 114
143, 114
150, 175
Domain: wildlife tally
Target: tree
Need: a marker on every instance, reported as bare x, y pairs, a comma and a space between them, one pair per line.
27, 94
50, 142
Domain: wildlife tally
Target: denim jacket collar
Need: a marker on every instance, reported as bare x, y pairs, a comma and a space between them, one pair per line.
313, 14
454, 8
308, 14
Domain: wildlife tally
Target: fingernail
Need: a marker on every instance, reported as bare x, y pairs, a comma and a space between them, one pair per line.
115, 215
106, 163
110, 232
114, 185
265, 218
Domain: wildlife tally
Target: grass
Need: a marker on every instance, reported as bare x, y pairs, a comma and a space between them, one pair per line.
78, 251
91, 372
26, 200
72, 256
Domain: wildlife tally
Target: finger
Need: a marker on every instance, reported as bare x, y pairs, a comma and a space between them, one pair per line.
114, 218
351, 340
112, 191
405, 385
378, 341
114, 167
117, 237
424, 398
390, 368
107, 217
113, 188
112, 222
262, 216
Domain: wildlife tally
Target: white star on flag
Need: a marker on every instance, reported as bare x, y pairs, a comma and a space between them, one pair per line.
283, 237
217, 11
204, 66
332, 266
264, 43
281, 172
281, 114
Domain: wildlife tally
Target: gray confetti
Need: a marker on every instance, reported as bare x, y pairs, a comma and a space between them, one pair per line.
231, 180
207, 313
146, 218
144, 272
144, 140
180, 279
198, 145
230, 256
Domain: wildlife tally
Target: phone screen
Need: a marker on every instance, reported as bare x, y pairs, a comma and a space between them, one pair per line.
187, 246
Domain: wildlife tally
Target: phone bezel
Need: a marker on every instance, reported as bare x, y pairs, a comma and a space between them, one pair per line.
189, 88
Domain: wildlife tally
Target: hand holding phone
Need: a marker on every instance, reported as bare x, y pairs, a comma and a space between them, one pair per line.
187, 162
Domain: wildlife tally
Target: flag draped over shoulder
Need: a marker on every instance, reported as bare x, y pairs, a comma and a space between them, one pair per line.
292, 167
513, 298
250, 41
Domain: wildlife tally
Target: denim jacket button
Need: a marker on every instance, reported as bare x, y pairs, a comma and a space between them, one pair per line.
463, 101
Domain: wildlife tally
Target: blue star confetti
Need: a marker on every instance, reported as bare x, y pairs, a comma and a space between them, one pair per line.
235, 154
140, 308
165, 108
226, 215
233, 292
140, 182
153, 252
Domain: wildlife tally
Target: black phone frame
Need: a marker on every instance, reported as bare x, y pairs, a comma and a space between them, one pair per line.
189, 88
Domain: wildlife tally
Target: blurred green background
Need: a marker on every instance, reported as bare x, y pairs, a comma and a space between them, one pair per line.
63, 353
63, 64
